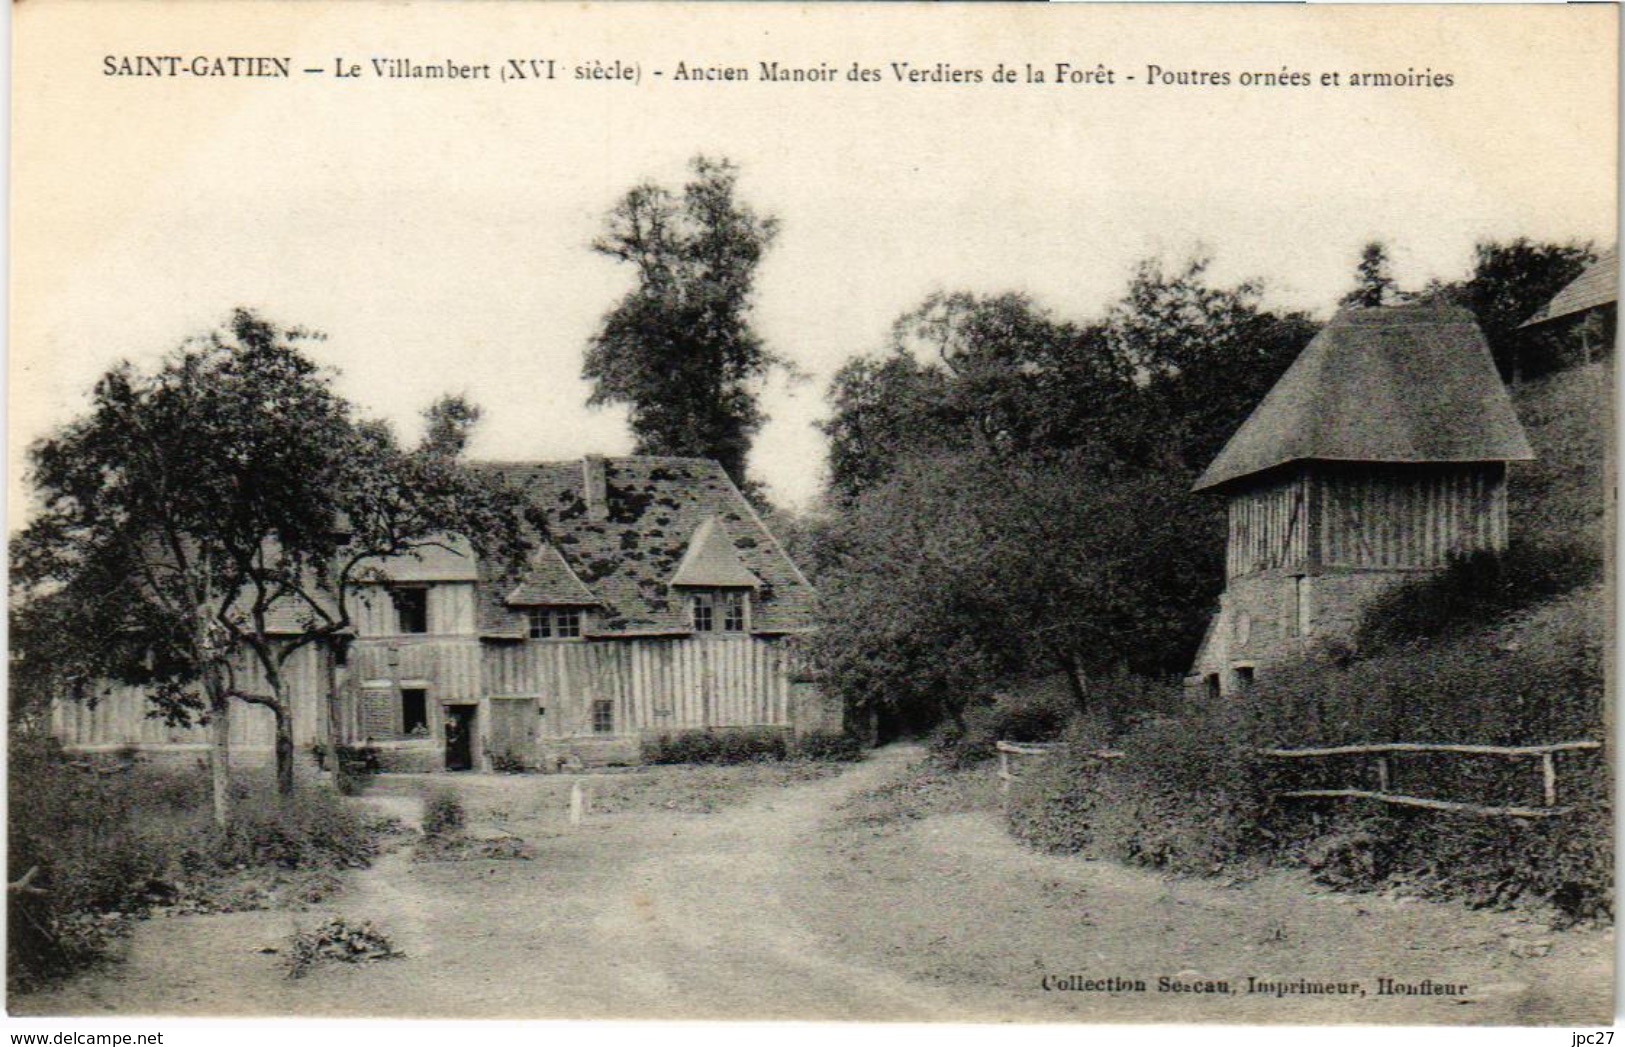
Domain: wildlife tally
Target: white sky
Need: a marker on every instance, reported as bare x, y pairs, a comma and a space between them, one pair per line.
438, 233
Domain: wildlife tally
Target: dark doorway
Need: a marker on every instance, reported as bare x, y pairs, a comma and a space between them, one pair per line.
460, 737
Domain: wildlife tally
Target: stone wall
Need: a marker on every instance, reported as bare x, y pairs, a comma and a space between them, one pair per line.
1268, 618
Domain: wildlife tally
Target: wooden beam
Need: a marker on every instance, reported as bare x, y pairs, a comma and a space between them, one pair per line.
1436, 805
1420, 747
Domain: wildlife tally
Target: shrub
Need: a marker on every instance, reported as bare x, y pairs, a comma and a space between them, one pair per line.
1543, 685
827, 747
337, 941
716, 747
1184, 796
506, 761
113, 838
312, 828
1035, 711
443, 813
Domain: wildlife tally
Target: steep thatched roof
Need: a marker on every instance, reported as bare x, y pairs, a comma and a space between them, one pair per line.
1400, 384
1597, 286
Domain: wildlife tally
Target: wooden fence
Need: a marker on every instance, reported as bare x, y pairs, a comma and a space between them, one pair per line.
1007, 750
1383, 756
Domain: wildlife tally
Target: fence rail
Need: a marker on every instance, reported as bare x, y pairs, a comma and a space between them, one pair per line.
1546, 754
1008, 749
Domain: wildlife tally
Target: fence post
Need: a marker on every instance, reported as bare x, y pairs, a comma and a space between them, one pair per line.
1548, 773
578, 802
1382, 774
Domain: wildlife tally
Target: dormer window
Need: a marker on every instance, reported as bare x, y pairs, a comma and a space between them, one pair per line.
553, 623
719, 610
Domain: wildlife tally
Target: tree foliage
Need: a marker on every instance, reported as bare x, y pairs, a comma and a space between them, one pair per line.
964, 571
1010, 491
679, 350
1509, 282
1374, 283
964, 372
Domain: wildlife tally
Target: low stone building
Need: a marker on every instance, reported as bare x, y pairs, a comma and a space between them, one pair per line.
1379, 455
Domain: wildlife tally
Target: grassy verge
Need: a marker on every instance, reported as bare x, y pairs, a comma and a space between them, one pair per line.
1190, 795
113, 841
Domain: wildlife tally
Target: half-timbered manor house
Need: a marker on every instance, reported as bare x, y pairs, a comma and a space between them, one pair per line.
1381, 453
659, 603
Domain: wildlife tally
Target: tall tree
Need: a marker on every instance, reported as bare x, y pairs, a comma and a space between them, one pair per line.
679, 350
195, 509
1509, 282
967, 371
963, 571
1010, 492
159, 504
1374, 280
1204, 355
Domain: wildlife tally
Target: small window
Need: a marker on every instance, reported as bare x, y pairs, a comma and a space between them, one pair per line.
603, 717
702, 612
733, 612
549, 623
721, 610
1244, 678
411, 609
414, 710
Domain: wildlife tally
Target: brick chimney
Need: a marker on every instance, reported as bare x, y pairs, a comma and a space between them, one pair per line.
594, 487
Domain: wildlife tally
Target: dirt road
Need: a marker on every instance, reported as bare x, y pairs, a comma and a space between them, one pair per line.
772, 909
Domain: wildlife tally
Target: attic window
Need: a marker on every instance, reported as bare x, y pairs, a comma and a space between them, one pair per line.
719, 610
553, 623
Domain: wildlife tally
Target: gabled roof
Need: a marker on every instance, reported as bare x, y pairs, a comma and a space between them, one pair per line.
712, 560
1597, 286
548, 580
628, 561
1408, 383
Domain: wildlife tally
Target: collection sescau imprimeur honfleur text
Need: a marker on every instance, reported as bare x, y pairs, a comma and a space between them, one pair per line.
1277, 987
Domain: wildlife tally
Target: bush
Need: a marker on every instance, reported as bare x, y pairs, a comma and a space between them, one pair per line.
113, 838
716, 747
827, 747
357, 764
1036, 711
1184, 796
1539, 685
337, 941
1189, 796
443, 813
312, 828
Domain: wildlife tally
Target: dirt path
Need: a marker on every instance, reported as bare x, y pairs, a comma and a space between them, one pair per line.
770, 909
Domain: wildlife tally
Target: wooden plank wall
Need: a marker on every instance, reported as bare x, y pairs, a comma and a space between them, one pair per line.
1269, 526
1410, 517
1392, 517
656, 684
450, 666
120, 718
